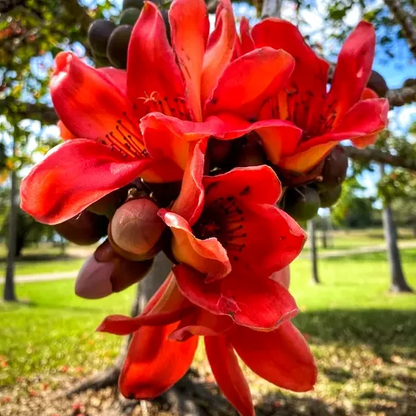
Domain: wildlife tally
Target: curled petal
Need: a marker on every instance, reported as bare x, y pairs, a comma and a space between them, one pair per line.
118, 77
190, 201
189, 27
201, 323
89, 104
282, 356
247, 43
309, 78
167, 306
353, 68
250, 80
258, 184
208, 256
74, 175
154, 363
151, 65
220, 49
255, 303
228, 374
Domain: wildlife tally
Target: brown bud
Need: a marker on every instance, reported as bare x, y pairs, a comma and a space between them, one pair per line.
136, 228
84, 229
251, 153
98, 279
218, 151
164, 193
378, 84
335, 168
108, 204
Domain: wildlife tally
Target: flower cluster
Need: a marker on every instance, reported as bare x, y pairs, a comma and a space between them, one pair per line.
186, 152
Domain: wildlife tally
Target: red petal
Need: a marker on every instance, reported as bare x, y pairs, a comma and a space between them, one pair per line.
118, 77
190, 26
247, 43
201, 323
64, 132
168, 307
364, 118
353, 68
74, 175
190, 201
254, 302
220, 49
208, 256
151, 65
282, 277
279, 138
89, 104
309, 78
228, 374
249, 80
255, 184
273, 240
154, 363
282, 356
304, 161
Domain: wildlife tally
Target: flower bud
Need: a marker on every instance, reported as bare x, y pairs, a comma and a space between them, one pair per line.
108, 204
106, 272
335, 168
84, 229
251, 153
136, 229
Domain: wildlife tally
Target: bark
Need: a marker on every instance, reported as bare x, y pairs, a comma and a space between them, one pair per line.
9, 294
405, 20
402, 96
375, 155
397, 279
314, 256
271, 8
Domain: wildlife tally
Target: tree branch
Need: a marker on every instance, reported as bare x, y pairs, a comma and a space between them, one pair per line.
405, 20
376, 155
404, 95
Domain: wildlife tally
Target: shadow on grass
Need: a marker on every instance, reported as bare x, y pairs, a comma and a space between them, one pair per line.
383, 330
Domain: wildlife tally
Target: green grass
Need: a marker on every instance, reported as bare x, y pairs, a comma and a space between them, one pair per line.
54, 329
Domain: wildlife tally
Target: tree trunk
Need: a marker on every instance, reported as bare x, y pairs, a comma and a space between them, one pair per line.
398, 282
314, 257
271, 8
9, 294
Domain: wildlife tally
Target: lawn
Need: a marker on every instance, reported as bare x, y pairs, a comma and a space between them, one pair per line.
363, 338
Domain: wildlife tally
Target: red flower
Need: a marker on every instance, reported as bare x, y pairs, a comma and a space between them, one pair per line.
166, 337
324, 117
184, 85
229, 231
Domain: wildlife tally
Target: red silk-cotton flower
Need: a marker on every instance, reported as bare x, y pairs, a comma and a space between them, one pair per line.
324, 117
182, 86
166, 337
229, 238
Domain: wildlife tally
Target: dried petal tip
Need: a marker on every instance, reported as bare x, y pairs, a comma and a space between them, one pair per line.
136, 229
94, 279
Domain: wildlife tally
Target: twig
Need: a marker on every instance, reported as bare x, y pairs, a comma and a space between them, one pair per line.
405, 20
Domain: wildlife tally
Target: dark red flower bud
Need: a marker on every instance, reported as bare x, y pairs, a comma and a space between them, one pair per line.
106, 272
136, 229
378, 84
84, 229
